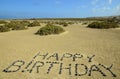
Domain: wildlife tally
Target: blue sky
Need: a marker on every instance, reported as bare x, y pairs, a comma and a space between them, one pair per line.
58, 8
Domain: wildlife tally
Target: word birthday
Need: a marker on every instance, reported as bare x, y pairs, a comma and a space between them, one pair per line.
60, 64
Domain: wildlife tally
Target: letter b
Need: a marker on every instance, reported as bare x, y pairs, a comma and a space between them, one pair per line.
14, 67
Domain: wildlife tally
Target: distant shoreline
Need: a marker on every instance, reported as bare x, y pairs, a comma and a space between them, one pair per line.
54, 18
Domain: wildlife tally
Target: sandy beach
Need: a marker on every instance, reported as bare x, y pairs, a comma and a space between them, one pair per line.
23, 45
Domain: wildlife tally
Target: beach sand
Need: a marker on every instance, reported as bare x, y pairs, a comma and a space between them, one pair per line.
24, 45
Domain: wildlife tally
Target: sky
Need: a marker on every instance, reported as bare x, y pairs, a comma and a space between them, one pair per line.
58, 8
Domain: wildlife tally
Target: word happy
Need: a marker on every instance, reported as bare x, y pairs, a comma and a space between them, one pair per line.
58, 63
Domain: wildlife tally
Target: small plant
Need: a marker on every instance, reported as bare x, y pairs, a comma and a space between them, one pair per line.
2, 22
50, 29
24, 22
103, 25
70, 23
34, 23
16, 25
4, 29
85, 23
65, 24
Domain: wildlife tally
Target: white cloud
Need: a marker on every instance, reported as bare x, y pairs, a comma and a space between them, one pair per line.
94, 2
101, 9
57, 2
118, 7
104, 9
110, 1
107, 10
117, 10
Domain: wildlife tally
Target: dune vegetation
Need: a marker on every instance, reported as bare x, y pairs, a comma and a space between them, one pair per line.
4, 29
16, 25
50, 29
34, 23
54, 25
2, 22
103, 25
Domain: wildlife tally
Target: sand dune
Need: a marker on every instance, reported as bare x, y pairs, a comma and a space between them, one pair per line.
24, 45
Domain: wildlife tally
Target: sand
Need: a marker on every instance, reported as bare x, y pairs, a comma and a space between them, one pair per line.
24, 45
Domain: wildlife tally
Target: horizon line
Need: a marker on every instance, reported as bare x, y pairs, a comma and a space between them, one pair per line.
12, 18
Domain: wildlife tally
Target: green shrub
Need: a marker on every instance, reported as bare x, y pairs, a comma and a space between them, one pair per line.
50, 29
34, 23
24, 22
70, 23
4, 29
114, 19
103, 25
85, 23
64, 24
2, 22
16, 25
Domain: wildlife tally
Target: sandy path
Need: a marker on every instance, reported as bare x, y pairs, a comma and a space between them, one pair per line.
23, 45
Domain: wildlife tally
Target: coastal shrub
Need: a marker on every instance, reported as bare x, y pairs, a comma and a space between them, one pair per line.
34, 23
70, 23
25, 23
114, 19
4, 29
16, 25
103, 25
64, 24
2, 22
50, 29
85, 23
